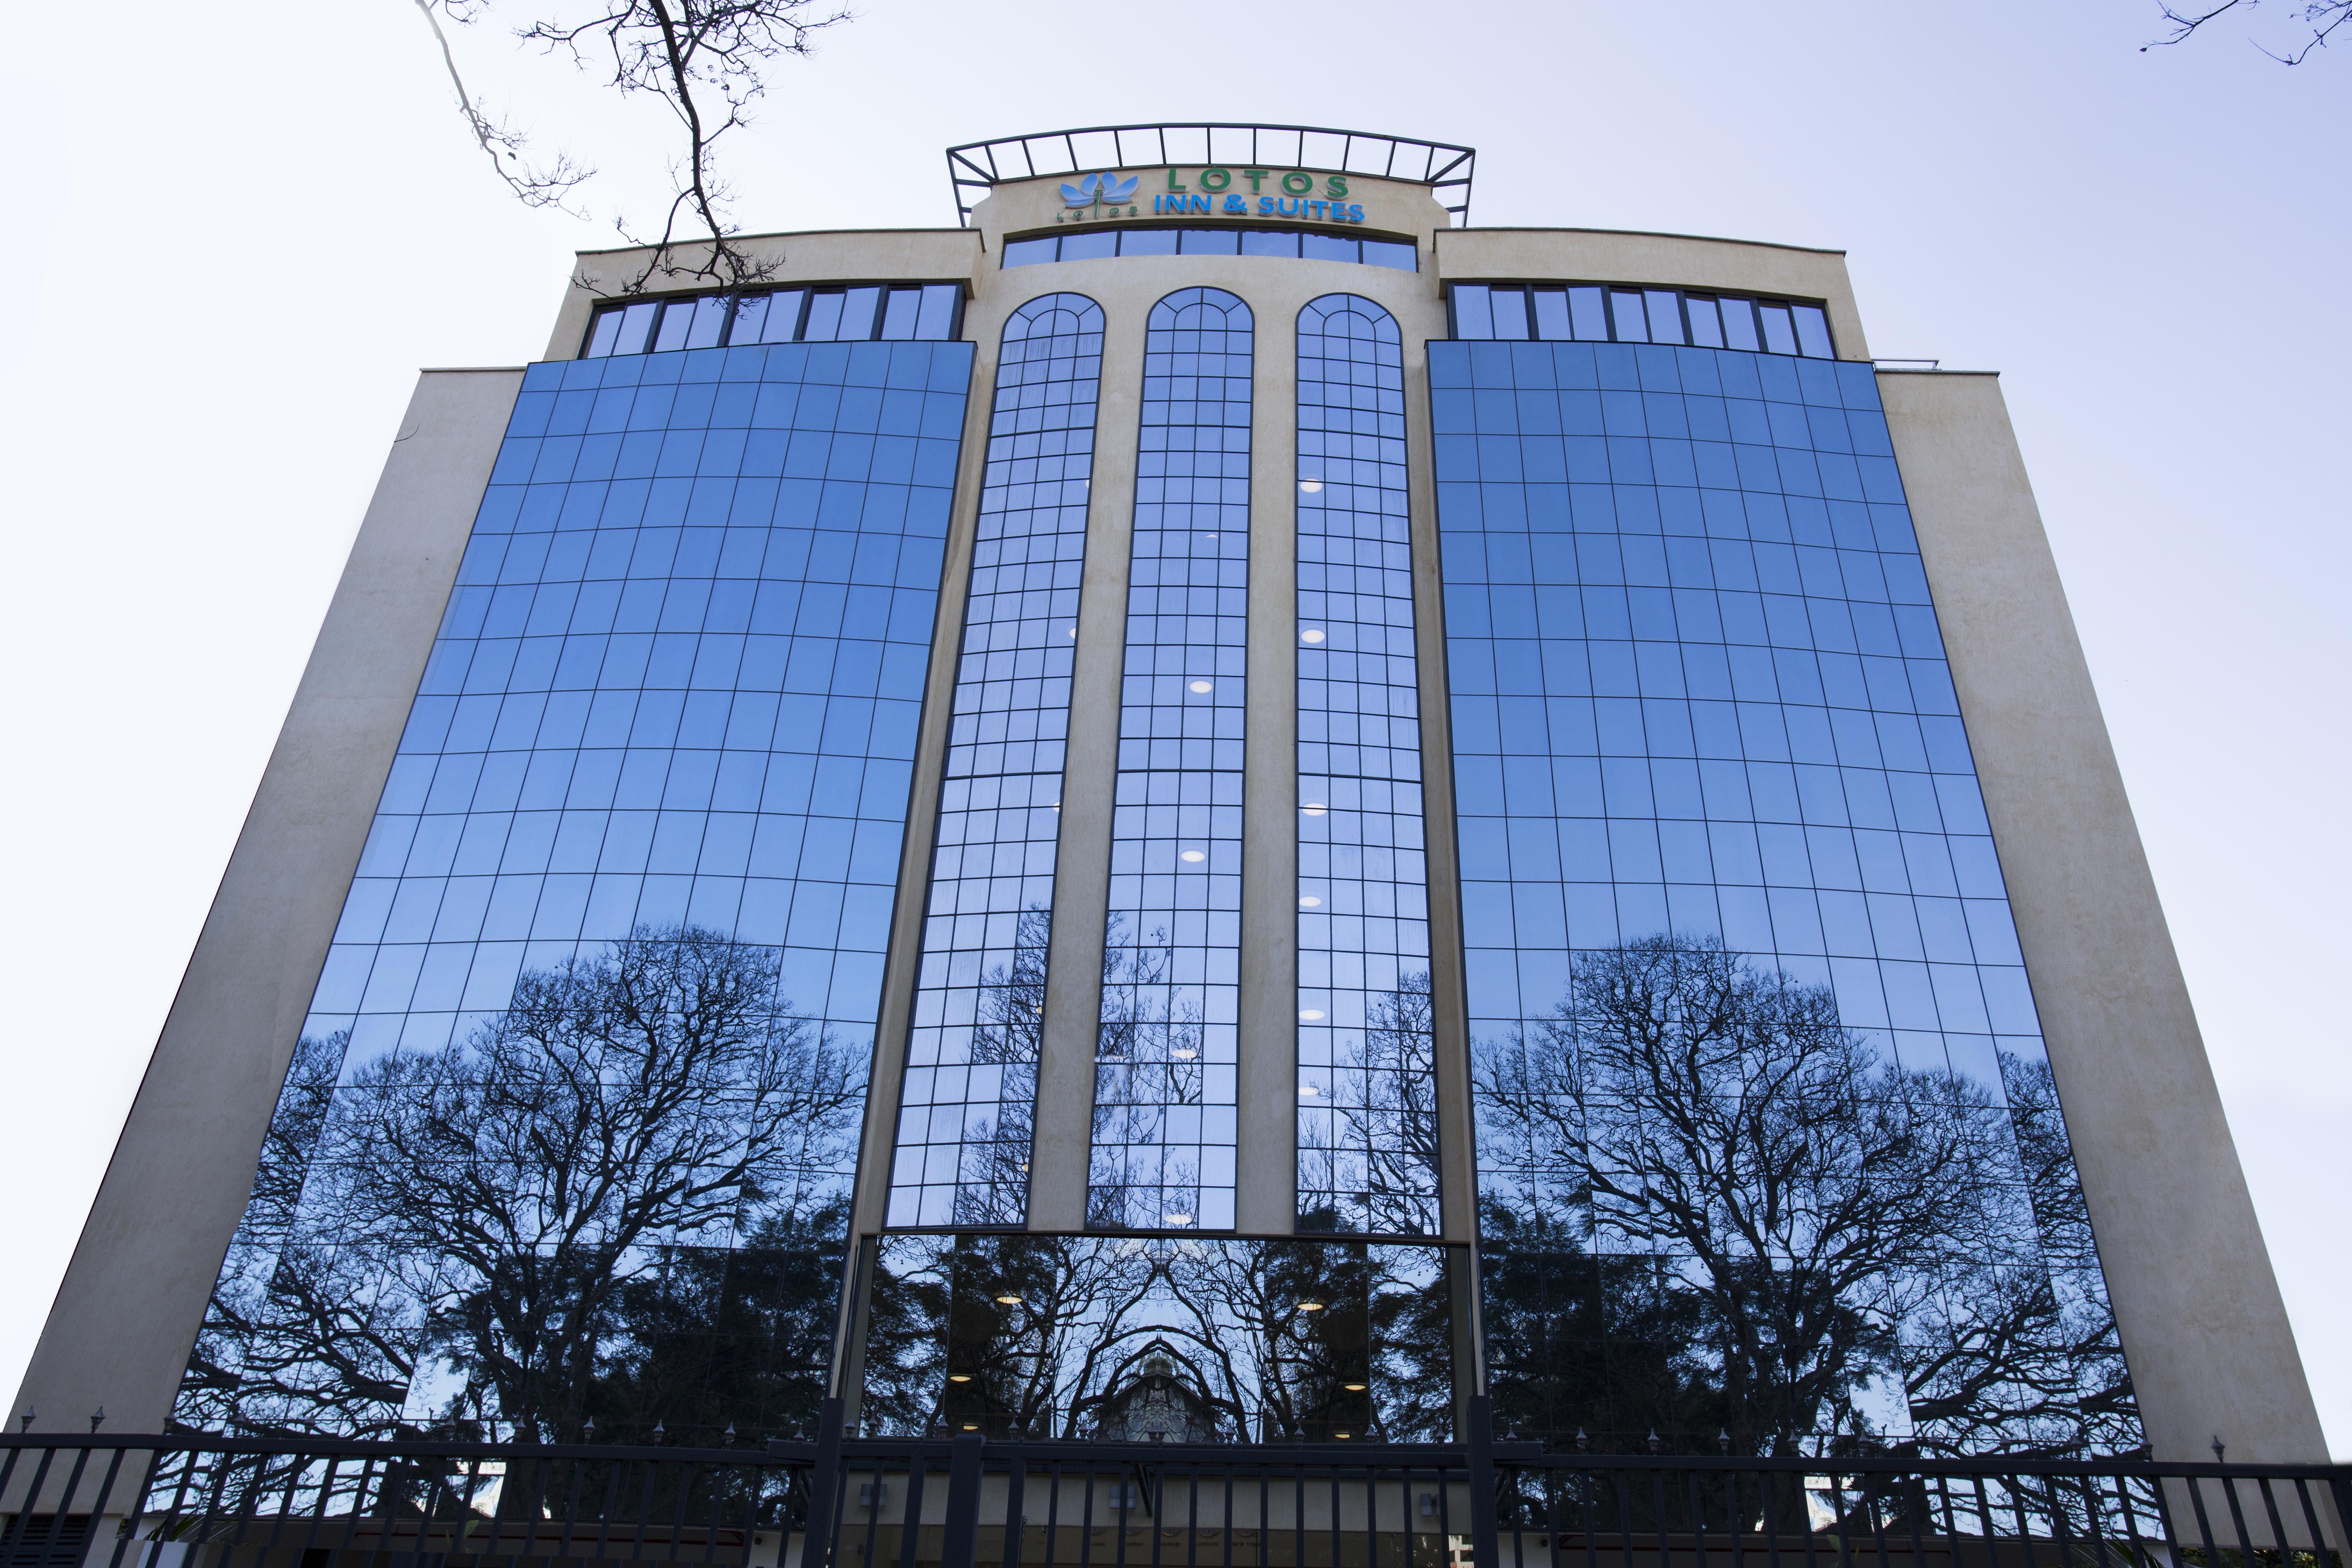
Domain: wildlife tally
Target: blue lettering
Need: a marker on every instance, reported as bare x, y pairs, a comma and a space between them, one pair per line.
1355, 212
1266, 205
1289, 207
1200, 205
1319, 209
1235, 205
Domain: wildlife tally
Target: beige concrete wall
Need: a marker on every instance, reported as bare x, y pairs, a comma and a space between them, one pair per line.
1674, 260
2207, 1336
127, 1313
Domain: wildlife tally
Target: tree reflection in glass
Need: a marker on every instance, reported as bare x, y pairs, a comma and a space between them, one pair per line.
620, 1198
1061, 1336
1710, 1207
1162, 1155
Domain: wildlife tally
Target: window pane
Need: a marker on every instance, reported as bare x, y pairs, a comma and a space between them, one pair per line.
1591, 320
1212, 242
823, 316
1148, 242
784, 321
1090, 247
859, 307
677, 319
1739, 324
709, 321
636, 327
1625, 311
1510, 312
1666, 317
1257, 242
1473, 317
1392, 253
1551, 314
1329, 248
898, 313
1027, 252
1812, 332
1780, 338
602, 334
937, 323
1706, 325
751, 319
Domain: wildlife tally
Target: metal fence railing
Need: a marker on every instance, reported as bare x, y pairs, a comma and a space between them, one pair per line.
176, 1501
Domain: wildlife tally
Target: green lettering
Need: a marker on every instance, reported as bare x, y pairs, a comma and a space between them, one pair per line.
1254, 176
1296, 185
1337, 185
1215, 179
1172, 185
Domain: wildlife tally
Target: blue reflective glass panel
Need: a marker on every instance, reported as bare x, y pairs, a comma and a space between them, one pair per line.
1768, 1141
964, 1117
569, 1131
1366, 1075
1164, 1074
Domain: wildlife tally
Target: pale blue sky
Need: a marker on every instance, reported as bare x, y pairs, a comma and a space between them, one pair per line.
231, 247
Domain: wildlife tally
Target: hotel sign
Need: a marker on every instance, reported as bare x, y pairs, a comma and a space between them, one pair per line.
1214, 192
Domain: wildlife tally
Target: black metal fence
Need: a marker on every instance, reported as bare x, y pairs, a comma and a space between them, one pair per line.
180, 1502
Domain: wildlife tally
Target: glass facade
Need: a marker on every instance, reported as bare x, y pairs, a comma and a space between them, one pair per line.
1165, 1060
1768, 1153
1159, 1338
1367, 1055
1093, 243
570, 1131
1766, 1142
964, 1121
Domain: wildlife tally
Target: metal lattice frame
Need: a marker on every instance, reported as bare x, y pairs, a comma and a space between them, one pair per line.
1444, 167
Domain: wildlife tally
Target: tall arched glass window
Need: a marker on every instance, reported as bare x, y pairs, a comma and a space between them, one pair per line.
1163, 1119
965, 1112
1367, 1074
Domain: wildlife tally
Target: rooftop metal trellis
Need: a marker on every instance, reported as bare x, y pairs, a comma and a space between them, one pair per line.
1442, 166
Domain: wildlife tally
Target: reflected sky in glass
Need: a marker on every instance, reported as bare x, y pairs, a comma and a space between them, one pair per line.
1367, 1073
1163, 1154
965, 1109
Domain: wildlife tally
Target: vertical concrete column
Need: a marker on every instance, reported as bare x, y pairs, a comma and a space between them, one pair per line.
1266, 1195
1066, 1070
127, 1312
2204, 1329
1458, 1157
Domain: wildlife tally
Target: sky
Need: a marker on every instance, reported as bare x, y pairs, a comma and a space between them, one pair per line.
232, 246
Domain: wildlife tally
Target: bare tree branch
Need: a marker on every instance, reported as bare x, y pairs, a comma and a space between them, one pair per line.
2320, 17
706, 61
503, 145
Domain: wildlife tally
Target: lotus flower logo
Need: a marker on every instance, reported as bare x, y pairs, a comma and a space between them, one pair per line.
1092, 188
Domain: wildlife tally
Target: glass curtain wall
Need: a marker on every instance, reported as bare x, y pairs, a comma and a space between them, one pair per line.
965, 1111
1367, 1073
1165, 1058
570, 1130
1768, 1150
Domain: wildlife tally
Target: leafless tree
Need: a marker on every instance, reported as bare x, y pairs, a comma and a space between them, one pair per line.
1149, 1057
1379, 1161
994, 1183
706, 61
471, 1220
2315, 23
1809, 1198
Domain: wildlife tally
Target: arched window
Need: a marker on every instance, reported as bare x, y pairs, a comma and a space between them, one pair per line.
1366, 1071
965, 1113
1165, 1057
